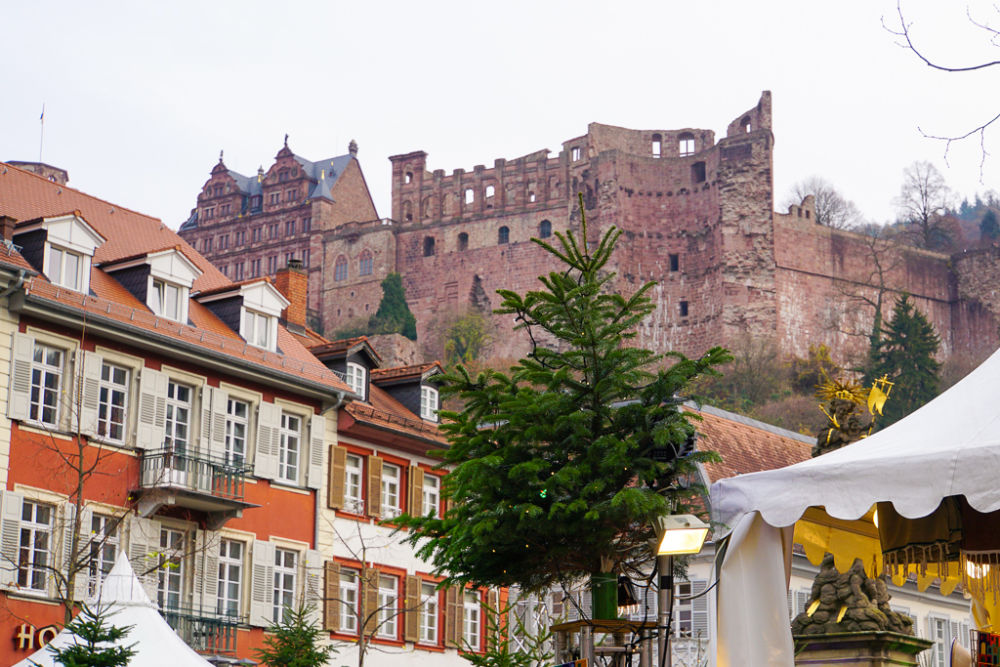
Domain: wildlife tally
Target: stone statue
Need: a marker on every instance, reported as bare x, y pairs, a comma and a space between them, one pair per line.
847, 424
849, 602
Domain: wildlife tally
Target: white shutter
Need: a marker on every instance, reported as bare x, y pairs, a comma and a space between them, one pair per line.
20, 376
219, 406
206, 570
699, 610
152, 409
144, 552
317, 436
802, 597
268, 431
262, 584
313, 586
67, 510
206, 418
965, 635
10, 535
83, 555
90, 371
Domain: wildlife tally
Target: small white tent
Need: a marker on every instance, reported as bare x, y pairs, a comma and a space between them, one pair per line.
950, 447
156, 643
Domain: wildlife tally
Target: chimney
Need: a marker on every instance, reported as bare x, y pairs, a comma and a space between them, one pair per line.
6, 227
293, 282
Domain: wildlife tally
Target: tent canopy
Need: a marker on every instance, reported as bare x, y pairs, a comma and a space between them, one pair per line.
156, 643
949, 447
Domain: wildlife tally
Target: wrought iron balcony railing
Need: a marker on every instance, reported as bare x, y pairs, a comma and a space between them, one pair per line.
171, 477
206, 632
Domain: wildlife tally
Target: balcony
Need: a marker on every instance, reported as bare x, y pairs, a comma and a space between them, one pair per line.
206, 632
169, 477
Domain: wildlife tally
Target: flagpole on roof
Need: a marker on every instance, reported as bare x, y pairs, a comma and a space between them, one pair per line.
41, 132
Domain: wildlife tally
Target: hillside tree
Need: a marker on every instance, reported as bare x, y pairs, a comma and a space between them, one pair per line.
559, 465
905, 354
393, 315
832, 208
922, 203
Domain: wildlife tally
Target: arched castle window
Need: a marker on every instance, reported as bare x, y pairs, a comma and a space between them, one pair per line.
463, 241
745, 124
340, 268
408, 178
365, 263
503, 235
407, 211
428, 246
490, 191
544, 229
657, 145
428, 207
470, 195
685, 144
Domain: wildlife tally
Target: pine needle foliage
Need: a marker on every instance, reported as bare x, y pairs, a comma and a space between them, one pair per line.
554, 470
294, 641
393, 315
96, 641
905, 353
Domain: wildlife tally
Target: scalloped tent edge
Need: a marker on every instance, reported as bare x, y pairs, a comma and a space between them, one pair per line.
949, 447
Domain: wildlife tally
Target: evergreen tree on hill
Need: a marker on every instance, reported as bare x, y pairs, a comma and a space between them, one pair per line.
989, 228
393, 315
559, 465
905, 354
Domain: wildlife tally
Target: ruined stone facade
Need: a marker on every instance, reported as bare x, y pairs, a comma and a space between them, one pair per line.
696, 215
252, 226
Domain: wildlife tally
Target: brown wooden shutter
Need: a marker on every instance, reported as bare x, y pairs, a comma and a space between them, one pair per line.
338, 464
331, 596
369, 592
411, 607
416, 504
452, 617
374, 486
493, 620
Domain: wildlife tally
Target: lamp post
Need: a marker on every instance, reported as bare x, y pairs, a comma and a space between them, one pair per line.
676, 535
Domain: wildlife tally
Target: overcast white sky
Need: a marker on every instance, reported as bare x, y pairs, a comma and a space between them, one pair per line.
140, 97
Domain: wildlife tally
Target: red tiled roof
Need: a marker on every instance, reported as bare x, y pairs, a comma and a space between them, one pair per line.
26, 196
400, 372
746, 445
384, 411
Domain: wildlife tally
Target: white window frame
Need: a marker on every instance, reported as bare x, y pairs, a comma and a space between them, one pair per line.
35, 548
685, 146
113, 397
428, 403
348, 591
428, 613
41, 370
159, 289
105, 541
56, 268
172, 570
174, 425
356, 375
471, 620
236, 443
229, 593
354, 471
259, 329
388, 602
285, 583
290, 448
392, 484
430, 495
939, 631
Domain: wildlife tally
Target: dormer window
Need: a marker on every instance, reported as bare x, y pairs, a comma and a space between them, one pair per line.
65, 268
165, 300
428, 403
61, 247
356, 377
257, 329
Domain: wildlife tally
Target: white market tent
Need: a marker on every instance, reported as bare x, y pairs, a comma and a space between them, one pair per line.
156, 643
949, 447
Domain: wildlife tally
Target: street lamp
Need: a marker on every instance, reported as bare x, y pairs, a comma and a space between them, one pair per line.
676, 535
